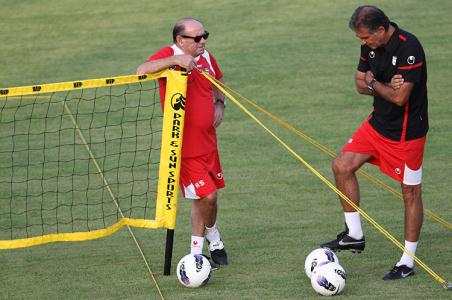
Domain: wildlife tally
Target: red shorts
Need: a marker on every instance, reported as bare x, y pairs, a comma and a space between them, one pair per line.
400, 160
201, 175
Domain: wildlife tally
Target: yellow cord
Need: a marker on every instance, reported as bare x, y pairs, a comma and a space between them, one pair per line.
221, 86
329, 152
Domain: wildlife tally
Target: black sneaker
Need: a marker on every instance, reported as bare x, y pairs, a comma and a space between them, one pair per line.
213, 266
344, 242
218, 253
399, 272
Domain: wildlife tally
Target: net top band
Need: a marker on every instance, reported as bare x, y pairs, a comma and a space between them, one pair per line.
80, 84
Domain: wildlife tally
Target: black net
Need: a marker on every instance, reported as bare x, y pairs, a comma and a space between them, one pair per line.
67, 158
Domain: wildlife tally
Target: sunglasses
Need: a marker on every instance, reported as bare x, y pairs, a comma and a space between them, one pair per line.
198, 38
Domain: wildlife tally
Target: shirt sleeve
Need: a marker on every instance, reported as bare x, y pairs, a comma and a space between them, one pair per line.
216, 68
363, 64
411, 62
162, 53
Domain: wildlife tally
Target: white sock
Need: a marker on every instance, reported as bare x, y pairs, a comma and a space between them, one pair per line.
353, 221
197, 243
406, 259
212, 233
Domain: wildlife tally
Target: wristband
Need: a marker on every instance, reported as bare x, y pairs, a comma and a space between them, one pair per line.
371, 84
222, 101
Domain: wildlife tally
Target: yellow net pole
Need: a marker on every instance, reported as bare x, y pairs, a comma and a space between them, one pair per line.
170, 158
170, 155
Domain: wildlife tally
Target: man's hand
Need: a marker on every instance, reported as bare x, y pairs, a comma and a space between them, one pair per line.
185, 61
397, 91
396, 82
218, 113
369, 77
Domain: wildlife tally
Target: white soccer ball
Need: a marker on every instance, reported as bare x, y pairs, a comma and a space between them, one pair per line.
193, 270
328, 279
317, 257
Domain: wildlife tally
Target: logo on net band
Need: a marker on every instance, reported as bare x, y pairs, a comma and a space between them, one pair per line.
178, 101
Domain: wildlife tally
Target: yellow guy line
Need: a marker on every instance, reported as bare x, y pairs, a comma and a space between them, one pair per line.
329, 152
330, 185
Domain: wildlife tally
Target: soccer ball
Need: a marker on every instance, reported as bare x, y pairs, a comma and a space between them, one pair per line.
193, 270
317, 257
328, 279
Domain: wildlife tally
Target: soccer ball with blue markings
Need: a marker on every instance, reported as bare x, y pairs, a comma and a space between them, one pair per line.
328, 279
193, 271
317, 257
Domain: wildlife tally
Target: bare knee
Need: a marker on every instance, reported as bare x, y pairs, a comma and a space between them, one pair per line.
347, 163
341, 166
210, 200
411, 193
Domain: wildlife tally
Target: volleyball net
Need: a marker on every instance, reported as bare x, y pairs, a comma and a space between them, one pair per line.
79, 160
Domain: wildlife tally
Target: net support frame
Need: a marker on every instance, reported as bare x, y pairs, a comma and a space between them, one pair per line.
170, 157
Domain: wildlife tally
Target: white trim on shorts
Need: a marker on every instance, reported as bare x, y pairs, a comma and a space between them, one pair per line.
190, 192
412, 177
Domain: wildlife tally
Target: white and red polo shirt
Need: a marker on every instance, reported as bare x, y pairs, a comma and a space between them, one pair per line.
199, 133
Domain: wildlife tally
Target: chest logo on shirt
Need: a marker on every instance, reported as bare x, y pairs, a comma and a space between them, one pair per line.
411, 59
371, 54
394, 60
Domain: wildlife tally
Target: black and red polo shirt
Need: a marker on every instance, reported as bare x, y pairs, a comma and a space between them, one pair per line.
403, 55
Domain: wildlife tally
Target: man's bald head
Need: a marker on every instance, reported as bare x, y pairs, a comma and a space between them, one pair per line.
181, 26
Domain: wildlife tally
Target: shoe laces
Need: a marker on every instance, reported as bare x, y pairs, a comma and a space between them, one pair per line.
342, 234
217, 245
395, 269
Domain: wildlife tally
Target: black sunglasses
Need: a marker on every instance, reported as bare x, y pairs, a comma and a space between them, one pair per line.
198, 38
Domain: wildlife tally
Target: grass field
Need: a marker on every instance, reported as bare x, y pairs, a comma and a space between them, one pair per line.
297, 60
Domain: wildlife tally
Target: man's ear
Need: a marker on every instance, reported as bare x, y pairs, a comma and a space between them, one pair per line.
179, 40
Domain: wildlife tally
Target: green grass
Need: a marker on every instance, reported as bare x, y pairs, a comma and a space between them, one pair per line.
296, 59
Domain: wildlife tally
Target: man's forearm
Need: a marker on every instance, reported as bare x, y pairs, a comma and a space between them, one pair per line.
361, 87
396, 96
217, 93
154, 66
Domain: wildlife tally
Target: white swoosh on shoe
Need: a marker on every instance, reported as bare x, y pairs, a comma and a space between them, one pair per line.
349, 243
406, 274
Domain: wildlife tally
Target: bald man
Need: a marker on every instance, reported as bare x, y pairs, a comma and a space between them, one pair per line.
201, 174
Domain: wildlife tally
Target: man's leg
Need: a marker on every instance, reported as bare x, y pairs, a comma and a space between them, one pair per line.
203, 213
414, 215
414, 211
203, 218
344, 168
199, 184
203, 210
